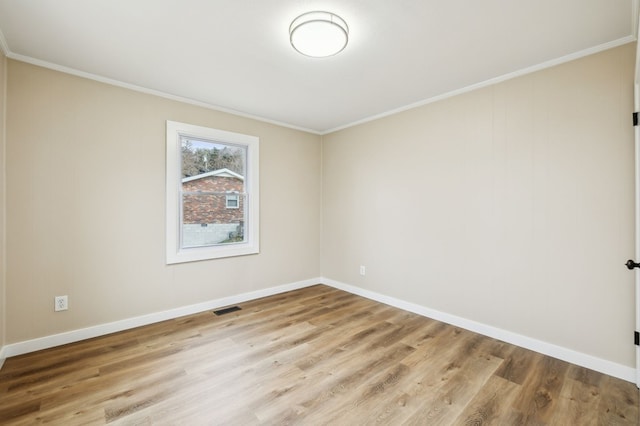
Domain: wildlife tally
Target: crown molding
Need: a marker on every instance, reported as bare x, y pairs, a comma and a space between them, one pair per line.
4, 47
635, 11
490, 82
538, 67
148, 91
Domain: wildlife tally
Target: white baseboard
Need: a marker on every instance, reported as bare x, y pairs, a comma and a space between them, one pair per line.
112, 327
569, 355
603, 366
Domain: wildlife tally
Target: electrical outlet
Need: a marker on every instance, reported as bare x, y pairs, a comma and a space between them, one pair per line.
363, 270
61, 303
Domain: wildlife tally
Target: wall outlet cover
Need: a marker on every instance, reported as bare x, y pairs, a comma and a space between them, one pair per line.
61, 303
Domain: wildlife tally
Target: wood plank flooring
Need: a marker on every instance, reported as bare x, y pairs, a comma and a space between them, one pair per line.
313, 356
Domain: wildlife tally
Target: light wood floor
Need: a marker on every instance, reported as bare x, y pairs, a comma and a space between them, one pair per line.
313, 356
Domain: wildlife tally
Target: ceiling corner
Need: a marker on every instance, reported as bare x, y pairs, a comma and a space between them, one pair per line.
635, 10
4, 47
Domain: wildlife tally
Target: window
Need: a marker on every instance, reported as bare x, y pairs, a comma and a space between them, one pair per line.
212, 193
232, 201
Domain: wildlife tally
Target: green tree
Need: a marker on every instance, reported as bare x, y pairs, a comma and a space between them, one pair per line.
201, 160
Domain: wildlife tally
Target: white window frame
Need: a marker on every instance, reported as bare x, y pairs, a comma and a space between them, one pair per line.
232, 196
174, 252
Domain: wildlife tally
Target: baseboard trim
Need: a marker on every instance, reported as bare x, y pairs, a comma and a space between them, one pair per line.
588, 361
113, 327
603, 366
3, 356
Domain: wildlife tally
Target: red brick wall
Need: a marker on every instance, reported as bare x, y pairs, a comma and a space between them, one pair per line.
209, 208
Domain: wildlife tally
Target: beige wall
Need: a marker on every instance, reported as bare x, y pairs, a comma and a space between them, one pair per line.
3, 66
510, 205
85, 198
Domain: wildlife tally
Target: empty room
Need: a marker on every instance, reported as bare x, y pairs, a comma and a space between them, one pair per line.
412, 212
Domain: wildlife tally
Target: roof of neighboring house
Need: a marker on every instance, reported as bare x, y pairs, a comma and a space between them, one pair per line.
218, 173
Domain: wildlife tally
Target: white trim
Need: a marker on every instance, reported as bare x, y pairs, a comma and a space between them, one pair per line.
220, 172
136, 88
634, 17
175, 253
492, 81
141, 89
636, 137
607, 367
4, 47
235, 196
113, 327
3, 205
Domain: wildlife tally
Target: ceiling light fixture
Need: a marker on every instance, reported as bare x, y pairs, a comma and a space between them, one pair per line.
318, 34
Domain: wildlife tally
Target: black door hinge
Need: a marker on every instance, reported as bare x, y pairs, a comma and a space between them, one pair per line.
636, 338
635, 118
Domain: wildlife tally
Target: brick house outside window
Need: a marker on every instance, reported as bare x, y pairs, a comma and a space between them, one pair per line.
213, 208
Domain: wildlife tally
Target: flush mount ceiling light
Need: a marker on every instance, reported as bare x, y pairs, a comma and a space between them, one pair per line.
318, 34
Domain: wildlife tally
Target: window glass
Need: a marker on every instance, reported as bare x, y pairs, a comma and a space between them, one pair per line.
212, 193
210, 172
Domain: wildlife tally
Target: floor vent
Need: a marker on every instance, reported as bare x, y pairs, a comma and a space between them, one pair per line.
227, 310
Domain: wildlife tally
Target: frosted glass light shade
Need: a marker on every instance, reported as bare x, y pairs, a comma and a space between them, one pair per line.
318, 34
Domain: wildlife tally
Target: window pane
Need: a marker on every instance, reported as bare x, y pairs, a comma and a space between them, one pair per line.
202, 156
206, 220
232, 201
213, 193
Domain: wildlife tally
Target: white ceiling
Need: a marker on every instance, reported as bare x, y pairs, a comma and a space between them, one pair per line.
235, 54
